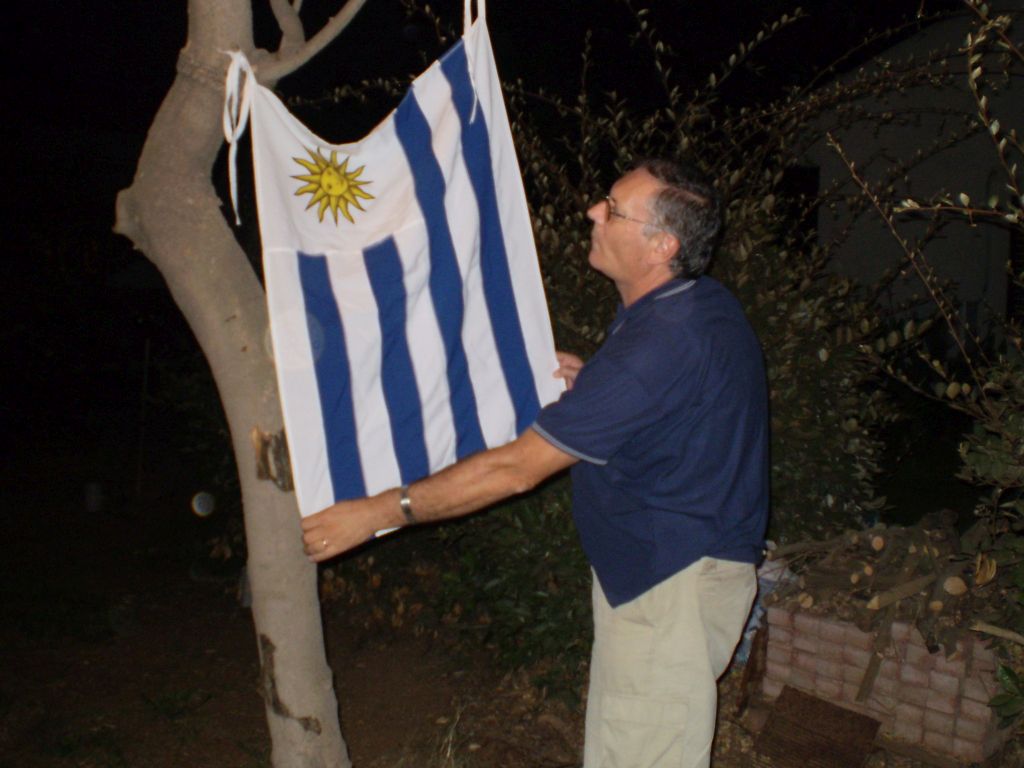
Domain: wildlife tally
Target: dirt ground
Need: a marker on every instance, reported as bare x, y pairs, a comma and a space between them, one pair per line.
142, 668
165, 675
120, 648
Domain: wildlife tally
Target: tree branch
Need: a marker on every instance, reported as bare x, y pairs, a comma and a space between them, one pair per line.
288, 21
915, 258
907, 589
278, 67
991, 629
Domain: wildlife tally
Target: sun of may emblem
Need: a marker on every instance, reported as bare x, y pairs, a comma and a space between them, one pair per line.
332, 185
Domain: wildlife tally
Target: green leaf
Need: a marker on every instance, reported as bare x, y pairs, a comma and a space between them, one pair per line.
1011, 708
1000, 700
1008, 679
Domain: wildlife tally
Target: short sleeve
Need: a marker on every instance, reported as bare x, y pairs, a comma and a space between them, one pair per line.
607, 406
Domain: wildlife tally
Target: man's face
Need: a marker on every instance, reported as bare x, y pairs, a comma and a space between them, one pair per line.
618, 246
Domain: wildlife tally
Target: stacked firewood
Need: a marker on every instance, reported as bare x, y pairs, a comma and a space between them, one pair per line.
875, 576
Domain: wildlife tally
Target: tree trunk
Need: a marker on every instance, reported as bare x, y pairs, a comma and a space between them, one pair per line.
172, 214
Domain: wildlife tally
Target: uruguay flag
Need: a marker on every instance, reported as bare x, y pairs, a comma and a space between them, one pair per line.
407, 311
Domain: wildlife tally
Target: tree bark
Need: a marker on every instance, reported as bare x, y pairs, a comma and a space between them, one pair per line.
172, 213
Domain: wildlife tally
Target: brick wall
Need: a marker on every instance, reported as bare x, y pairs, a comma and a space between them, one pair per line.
922, 698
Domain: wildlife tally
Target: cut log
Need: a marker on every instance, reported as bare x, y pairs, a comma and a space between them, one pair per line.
954, 585
804, 547
896, 594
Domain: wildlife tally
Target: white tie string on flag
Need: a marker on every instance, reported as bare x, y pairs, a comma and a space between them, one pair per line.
406, 305
237, 104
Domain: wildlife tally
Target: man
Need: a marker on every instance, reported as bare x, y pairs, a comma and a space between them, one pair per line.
666, 427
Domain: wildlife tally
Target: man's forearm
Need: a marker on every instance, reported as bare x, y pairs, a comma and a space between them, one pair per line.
467, 486
464, 487
472, 484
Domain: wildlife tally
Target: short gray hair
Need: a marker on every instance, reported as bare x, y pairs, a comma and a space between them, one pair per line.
687, 208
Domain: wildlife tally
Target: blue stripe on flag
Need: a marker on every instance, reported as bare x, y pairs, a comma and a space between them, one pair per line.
405, 411
333, 378
445, 281
497, 280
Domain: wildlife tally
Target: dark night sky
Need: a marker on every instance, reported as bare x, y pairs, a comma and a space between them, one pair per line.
88, 77
108, 64
98, 71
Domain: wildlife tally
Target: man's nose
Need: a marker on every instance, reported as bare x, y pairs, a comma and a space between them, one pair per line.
597, 212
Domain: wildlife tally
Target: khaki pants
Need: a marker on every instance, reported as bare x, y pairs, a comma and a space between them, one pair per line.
655, 665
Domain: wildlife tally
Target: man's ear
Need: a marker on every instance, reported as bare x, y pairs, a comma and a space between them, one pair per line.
666, 246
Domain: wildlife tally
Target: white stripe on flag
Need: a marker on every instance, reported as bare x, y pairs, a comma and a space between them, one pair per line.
494, 406
426, 348
295, 351
517, 230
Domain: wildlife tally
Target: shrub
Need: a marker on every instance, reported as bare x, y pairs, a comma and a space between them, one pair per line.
981, 378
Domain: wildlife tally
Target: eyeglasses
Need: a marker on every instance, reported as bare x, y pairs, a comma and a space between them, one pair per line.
612, 212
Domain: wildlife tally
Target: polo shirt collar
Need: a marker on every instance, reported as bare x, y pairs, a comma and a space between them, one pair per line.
671, 288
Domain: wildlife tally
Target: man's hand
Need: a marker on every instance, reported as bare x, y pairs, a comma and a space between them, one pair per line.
348, 524
568, 367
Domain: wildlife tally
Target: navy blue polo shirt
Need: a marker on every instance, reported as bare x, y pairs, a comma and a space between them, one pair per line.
670, 421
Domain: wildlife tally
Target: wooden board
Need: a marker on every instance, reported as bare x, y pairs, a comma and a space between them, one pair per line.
806, 732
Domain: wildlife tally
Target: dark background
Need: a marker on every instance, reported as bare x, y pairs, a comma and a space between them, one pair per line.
104, 381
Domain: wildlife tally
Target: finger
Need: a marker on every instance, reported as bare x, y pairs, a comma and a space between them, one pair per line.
322, 517
318, 548
313, 540
312, 521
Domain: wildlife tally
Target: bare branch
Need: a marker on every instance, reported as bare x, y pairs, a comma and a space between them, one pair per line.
999, 25
914, 257
276, 68
871, 41
288, 21
991, 629
975, 60
993, 215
